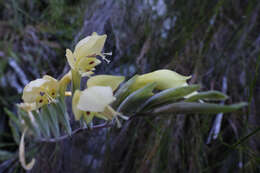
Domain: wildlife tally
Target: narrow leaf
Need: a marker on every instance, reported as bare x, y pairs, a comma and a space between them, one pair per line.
54, 118
43, 118
15, 131
171, 94
63, 115
13, 117
7, 144
5, 155
44, 128
208, 96
123, 91
206, 108
49, 118
133, 101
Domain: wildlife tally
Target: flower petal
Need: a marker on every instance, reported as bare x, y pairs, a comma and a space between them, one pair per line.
63, 83
71, 59
87, 64
95, 98
32, 90
106, 80
163, 78
52, 86
75, 100
89, 46
51, 82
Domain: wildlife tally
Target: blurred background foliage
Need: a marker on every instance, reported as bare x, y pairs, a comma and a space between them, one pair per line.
211, 40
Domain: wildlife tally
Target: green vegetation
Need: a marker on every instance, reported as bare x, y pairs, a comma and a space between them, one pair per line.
212, 40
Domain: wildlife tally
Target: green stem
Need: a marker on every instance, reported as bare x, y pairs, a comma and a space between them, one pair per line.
76, 79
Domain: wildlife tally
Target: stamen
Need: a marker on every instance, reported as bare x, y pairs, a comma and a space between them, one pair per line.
123, 117
104, 58
50, 99
109, 53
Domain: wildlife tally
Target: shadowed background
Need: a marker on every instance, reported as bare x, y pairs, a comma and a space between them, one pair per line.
211, 40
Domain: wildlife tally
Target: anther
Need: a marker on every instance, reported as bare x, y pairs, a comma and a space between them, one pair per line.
42, 93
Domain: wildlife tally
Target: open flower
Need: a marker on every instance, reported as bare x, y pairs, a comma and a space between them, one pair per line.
163, 78
83, 59
43, 91
96, 99
40, 91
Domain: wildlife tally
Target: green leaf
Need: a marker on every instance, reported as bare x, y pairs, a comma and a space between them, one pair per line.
44, 127
208, 96
75, 80
13, 117
53, 112
14, 124
135, 99
123, 91
206, 108
29, 121
49, 116
63, 115
171, 94
5, 155
7, 144
45, 122
15, 131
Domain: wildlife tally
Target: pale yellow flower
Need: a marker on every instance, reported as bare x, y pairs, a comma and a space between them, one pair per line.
83, 59
92, 102
96, 99
40, 91
164, 79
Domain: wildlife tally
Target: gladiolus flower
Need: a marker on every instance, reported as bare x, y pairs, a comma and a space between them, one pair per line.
83, 59
40, 91
95, 100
